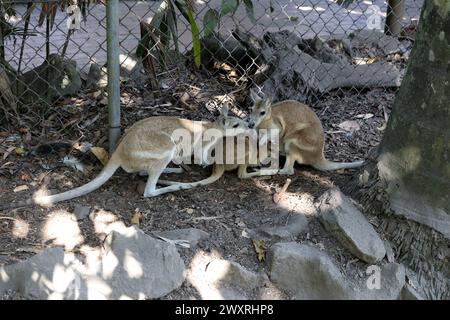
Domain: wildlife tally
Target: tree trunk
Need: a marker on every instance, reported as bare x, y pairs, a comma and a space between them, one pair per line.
415, 151
410, 174
394, 16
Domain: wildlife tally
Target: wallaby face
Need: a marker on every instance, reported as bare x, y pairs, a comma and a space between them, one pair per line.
301, 133
230, 126
261, 109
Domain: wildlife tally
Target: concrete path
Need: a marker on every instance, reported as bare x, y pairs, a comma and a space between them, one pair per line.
306, 17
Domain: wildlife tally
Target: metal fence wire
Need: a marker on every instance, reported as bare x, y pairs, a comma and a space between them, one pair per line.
185, 57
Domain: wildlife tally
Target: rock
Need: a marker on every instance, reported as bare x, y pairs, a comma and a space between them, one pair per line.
132, 266
138, 266
341, 218
297, 224
389, 251
81, 211
54, 78
230, 273
97, 77
392, 281
409, 293
307, 272
221, 279
191, 235
47, 275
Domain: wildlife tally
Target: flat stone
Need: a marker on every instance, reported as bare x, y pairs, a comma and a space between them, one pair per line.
341, 218
296, 225
191, 235
222, 279
307, 272
132, 266
392, 281
138, 266
81, 212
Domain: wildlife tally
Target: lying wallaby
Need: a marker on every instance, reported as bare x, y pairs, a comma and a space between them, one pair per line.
149, 146
301, 134
240, 161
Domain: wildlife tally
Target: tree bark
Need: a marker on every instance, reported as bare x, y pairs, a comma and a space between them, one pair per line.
414, 155
409, 175
394, 16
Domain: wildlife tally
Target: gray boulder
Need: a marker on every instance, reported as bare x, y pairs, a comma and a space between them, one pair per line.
132, 266
138, 266
57, 77
306, 272
342, 219
296, 225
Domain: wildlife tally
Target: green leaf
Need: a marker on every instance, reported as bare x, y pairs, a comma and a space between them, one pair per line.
228, 6
210, 21
250, 11
172, 25
195, 38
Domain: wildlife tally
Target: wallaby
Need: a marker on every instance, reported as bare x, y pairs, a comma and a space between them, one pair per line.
149, 146
301, 134
240, 161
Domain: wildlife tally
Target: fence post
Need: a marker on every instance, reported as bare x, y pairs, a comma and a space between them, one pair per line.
113, 51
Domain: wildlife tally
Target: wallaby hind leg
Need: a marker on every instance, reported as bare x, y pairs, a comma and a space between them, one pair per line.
288, 168
155, 169
166, 170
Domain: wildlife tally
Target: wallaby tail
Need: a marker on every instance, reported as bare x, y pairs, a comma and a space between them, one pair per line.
218, 171
103, 176
327, 165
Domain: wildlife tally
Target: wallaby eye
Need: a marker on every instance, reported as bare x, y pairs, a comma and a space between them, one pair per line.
236, 125
263, 113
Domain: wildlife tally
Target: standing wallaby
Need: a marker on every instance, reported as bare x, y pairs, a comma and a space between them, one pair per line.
149, 146
301, 134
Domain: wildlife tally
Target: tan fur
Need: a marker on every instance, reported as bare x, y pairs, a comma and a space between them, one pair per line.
241, 162
147, 146
301, 134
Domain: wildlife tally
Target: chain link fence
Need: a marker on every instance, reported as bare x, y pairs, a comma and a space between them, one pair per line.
186, 57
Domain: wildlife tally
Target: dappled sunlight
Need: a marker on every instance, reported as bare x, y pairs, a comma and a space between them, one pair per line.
132, 266
105, 222
299, 202
62, 229
411, 153
127, 62
20, 229
196, 275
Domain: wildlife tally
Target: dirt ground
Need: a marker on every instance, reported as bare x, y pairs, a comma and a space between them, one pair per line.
230, 205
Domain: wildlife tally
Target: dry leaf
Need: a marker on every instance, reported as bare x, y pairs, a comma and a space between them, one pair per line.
349, 125
20, 188
136, 220
101, 154
96, 94
3, 134
260, 249
383, 127
25, 177
8, 152
73, 162
19, 151
365, 116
